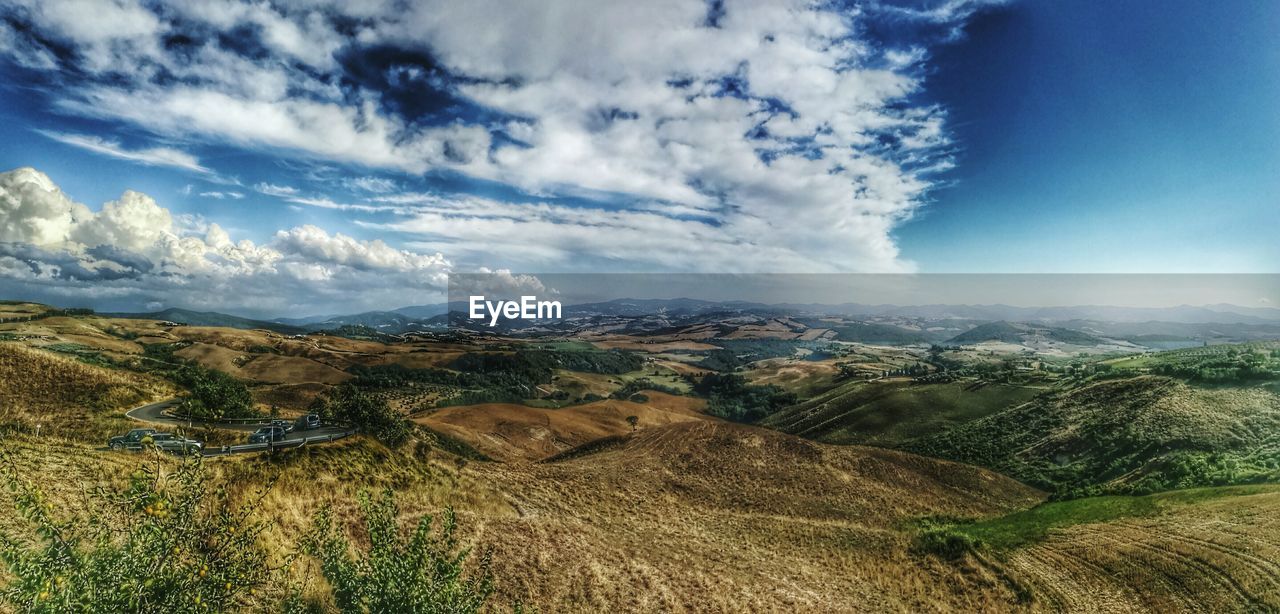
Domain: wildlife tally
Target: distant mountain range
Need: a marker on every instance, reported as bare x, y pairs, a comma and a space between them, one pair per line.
209, 318
995, 321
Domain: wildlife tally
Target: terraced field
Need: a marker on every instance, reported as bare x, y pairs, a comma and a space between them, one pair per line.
1221, 555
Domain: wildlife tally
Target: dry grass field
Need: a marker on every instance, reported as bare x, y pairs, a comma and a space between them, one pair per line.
512, 432
711, 516
696, 516
1221, 555
67, 398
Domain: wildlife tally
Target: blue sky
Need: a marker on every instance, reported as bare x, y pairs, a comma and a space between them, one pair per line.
328, 156
1108, 137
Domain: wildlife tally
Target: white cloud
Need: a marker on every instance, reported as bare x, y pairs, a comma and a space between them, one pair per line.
34, 210
155, 156
133, 247
319, 246
271, 189
377, 185
782, 140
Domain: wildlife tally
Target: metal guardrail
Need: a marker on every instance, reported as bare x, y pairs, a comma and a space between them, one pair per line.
241, 421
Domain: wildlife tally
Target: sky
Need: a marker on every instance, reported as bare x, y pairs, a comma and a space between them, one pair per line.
313, 156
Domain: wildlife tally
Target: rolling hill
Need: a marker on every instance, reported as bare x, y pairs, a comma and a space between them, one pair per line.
691, 516
894, 413
510, 432
1132, 435
68, 398
1010, 332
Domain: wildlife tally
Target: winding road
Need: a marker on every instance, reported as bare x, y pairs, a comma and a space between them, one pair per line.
154, 413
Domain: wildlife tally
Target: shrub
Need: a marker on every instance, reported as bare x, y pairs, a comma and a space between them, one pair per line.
941, 536
422, 571
165, 543
945, 542
629, 390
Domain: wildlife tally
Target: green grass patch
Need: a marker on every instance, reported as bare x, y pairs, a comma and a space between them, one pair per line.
947, 537
892, 414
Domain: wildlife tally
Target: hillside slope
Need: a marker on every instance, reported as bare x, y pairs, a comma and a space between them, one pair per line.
690, 517
714, 516
68, 398
510, 432
893, 413
1216, 555
1132, 435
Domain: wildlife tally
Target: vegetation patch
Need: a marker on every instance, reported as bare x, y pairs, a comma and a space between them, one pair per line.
894, 413
951, 537
1127, 436
729, 396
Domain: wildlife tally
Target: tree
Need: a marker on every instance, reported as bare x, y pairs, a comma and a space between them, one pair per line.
214, 394
364, 411
634, 421
422, 571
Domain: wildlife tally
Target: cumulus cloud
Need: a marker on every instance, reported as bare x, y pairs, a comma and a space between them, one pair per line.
761, 135
133, 247
319, 246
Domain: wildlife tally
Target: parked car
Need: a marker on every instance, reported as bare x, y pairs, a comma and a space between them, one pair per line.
131, 440
308, 422
169, 442
287, 425
267, 434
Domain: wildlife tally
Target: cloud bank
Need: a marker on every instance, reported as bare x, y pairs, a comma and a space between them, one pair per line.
133, 251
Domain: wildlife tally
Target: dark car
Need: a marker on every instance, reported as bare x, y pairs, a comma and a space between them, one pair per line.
131, 440
308, 422
287, 425
267, 434
169, 442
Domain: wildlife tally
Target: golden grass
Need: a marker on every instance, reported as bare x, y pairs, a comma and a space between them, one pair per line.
513, 432
687, 517
710, 516
214, 357
69, 399
1214, 556
276, 369
291, 399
